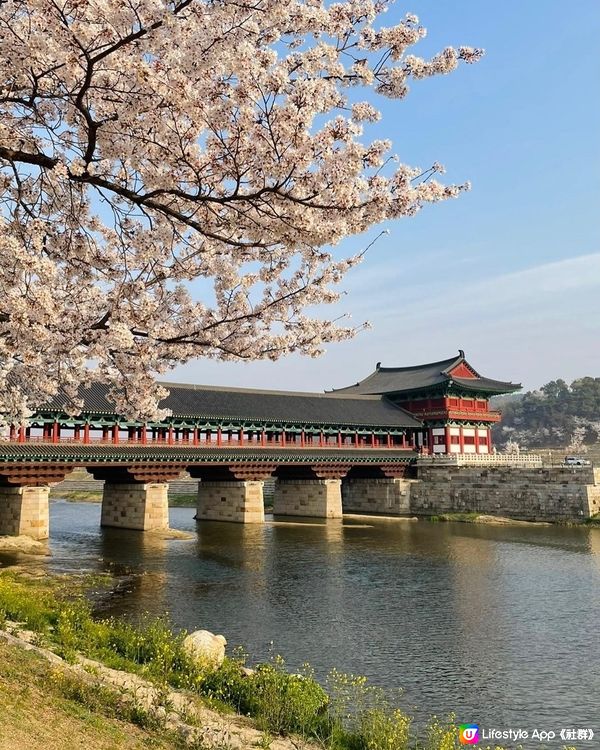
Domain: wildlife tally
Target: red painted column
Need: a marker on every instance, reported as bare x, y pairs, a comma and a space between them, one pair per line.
241, 437
13, 433
55, 432
320, 438
219, 436
76, 433
21, 437
195, 436
144, 434
339, 440
356, 443
404, 440
283, 438
447, 439
86, 433
263, 438
105, 434
372, 440
115, 435
489, 440
389, 440
461, 438
302, 439
477, 440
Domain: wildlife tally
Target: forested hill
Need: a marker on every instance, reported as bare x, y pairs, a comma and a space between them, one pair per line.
555, 415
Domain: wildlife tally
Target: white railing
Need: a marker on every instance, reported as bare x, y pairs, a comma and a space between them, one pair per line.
529, 460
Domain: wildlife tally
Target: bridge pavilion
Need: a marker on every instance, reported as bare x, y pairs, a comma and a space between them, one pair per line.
450, 397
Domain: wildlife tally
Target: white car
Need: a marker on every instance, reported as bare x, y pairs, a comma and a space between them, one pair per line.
576, 461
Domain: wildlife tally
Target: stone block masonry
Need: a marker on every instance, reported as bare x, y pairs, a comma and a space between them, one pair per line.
383, 496
24, 510
235, 501
316, 498
538, 494
138, 506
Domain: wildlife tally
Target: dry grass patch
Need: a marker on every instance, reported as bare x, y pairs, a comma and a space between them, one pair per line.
34, 715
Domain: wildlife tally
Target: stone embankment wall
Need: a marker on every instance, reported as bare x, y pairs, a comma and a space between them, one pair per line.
540, 494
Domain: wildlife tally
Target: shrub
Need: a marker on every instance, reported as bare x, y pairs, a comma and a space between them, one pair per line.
286, 703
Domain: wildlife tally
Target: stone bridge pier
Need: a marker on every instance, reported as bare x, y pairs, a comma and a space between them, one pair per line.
136, 497
24, 494
232, 493
311, 491
24, 511
380, 489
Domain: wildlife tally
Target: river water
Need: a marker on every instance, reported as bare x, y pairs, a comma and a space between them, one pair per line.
497, 623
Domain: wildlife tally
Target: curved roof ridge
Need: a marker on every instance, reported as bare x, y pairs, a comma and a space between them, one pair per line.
261, 391
448, 362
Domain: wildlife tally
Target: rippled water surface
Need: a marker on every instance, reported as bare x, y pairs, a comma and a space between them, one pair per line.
499, 624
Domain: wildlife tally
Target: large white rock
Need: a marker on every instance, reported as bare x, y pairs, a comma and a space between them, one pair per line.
205, 647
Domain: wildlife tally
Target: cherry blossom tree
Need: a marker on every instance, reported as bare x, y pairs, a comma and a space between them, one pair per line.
173, 174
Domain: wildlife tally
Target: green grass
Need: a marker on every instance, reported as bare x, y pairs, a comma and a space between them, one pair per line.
183, 500
345, 714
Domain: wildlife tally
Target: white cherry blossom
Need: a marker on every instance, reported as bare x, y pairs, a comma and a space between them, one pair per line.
172, 173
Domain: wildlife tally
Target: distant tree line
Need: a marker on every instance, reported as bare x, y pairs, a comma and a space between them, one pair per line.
557, 414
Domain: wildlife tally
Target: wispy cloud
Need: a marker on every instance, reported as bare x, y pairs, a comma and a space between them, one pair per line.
557, 283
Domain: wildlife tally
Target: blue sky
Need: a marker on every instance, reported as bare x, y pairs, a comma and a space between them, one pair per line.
509, 272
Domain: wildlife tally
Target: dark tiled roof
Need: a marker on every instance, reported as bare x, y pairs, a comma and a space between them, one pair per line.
241, 404
388, 380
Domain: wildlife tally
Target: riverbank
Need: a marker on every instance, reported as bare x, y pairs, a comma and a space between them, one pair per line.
95, 496
106, 674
